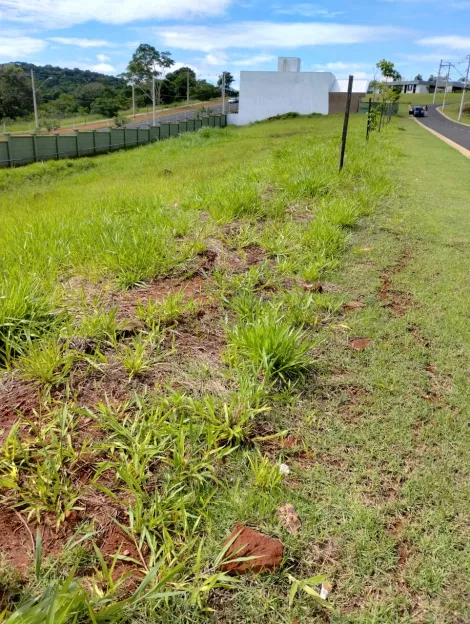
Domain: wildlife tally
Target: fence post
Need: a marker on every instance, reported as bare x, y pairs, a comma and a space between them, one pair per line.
346, 122
368, 119
125, 138
10, 160
57, 145
35, 147
77, 140
94, 142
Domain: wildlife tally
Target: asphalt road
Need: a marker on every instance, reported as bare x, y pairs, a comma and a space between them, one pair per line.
456, 132
182, 116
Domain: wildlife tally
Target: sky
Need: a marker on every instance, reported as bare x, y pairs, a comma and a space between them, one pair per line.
211, 36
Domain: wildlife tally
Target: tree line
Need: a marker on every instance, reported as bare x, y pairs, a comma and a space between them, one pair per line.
65, 92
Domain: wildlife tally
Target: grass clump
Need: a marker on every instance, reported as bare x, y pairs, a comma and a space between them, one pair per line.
271, 347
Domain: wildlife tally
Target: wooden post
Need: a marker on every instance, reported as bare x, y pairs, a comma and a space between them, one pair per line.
346, 122
368, 119
381, 116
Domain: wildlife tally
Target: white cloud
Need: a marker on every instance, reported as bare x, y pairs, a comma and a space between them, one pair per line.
64, 13
83, 43
103, 68
306, 10
18, 47
102, 58
250, 61
343, 69
271, 34
454, 42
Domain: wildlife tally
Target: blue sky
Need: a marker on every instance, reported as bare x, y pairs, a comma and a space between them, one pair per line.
341, 36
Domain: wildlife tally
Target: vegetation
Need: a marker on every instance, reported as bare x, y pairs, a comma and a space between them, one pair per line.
74, 92
452, 110
165, 337
181, 353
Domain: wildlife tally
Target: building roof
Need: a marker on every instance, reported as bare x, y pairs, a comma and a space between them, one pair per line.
442, 82
341, 85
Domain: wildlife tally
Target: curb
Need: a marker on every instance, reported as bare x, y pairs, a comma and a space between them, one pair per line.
462, 150
453, 120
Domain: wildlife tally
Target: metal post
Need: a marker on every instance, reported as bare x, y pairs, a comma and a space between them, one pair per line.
346, 122
187, 87
437, 82
35, 147
223, 93
10, 159
445, 87
153, 101
35, 106
77, 139
464, 89
368, 119
57, 145
133, 100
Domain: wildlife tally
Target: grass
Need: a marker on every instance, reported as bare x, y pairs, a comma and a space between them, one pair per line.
175, 349
452, 110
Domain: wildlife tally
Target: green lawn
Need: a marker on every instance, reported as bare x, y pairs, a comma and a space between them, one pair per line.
452, 111
167, 345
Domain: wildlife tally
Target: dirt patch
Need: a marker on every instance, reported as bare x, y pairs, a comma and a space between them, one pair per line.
16, 397
398, 301
15, 541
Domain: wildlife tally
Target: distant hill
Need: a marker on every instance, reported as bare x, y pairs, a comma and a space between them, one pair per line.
64, 80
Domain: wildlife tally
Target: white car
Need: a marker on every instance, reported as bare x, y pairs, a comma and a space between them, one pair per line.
233, 101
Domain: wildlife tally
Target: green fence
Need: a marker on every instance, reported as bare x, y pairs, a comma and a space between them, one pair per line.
364, 107
16, 151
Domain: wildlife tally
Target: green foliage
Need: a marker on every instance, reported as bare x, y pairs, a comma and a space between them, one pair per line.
271, 347
266, 475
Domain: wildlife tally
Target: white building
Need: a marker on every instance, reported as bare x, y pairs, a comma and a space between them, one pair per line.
424, 86
265, 94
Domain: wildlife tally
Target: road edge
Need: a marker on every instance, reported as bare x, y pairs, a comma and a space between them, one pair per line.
462, 150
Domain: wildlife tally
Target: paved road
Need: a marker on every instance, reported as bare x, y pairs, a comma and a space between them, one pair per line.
456, 132
181, 116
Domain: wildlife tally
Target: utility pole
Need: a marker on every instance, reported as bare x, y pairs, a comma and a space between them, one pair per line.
36, 120
445, 86
437, 82
187, 87
223, 93
464, 89
153, 102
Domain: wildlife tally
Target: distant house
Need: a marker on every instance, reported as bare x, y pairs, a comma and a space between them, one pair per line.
265, 94
424, 86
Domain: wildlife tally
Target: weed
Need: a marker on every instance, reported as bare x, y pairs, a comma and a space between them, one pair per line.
166, 312
48, 361
266, 475
271, 346
135, 357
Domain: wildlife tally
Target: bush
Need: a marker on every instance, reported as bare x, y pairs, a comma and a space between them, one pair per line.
120, 121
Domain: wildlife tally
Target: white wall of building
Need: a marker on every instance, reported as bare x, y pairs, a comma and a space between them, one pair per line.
265, 94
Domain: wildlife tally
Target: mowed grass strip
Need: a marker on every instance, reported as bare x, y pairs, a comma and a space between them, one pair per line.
162, 331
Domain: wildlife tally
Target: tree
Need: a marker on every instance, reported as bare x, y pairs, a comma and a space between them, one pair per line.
206, 90
229, 79
106, 106
175, 85
388, 70
432, 78
16, 99
418, 77
148, 64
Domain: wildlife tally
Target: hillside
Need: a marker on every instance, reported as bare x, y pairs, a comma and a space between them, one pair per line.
65, 80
